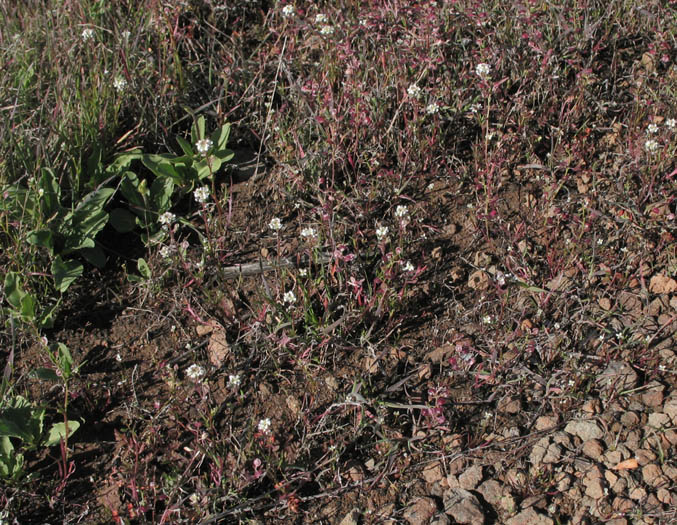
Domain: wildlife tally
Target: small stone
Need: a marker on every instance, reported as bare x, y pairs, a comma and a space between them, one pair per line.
665, 496
509, 405
507, 503
610, 477
463, 506
592, 407
638, 494
670, 408
491, 491
593, 449
529, 517
671, 437
651, 473
471, 478
630, 419
617, 521
538, 451
584, 429
420, 512
622, 505
645, 456
546, 422
563, 481
432, 472
653, 397
612, 458
618, 375
659, 420
351, 518
594, 488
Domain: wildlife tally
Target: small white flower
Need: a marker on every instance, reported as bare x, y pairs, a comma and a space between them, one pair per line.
401, 212
288, 11
671, 123
483, 70
303, 272
289, 297
652, 129
41, 192
275, 224
486, 319
264, 425
119, 83
118, 357
234, 380
167, 218
201, 194
327, 30
600, 242
651, 145
414, 91
125, 35
381, 232
87, 34
408, 267
203, 146
308, 232
601, 337
475, 108
195, 372
166, 252
431, 109
321, 18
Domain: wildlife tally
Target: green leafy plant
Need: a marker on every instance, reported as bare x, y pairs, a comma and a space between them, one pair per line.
200, 160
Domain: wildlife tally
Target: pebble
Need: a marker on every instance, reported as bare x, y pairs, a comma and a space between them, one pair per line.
463, 506
584, 429
529, 517
420, 512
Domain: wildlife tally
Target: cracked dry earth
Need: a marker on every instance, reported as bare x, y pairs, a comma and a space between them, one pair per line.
613, 463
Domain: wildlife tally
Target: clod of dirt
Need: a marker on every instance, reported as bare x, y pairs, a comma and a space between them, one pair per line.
618, 374
351, 518
463, 506
478, 280
218, 348
491, 491
584, 429
471, 478
420, 512
662, 284
529, 517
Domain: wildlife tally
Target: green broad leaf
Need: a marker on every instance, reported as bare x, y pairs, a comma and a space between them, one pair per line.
65, 272
11, 463
94, 256
13, 290
160, 194
129, 186
220, 137
203, 170
58, 432
224, 155
162, 167
185, 146
123, 161
43, 238
143, 268
46, 374
122, 220
21, 420
28, 307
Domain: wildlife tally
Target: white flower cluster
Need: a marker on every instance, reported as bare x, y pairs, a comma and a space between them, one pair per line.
483, 70
87, 34
275, 224
414, 91
201, 194
119, 83
195, 372
203, 146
